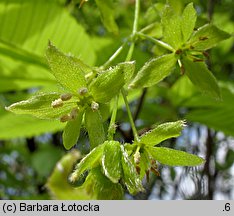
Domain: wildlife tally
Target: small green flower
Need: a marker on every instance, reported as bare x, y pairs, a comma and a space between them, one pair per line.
86, 93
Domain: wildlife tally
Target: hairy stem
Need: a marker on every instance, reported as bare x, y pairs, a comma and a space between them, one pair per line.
135, 134
158, 42
116, 53
112, 126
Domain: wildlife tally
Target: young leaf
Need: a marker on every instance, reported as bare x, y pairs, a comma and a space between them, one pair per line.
144, 164
188, 21
154, 71
201, 77
128, 69
131, 178
94, 125
90, 161
66, 69
172, 157
163, 132
100, 187
40, 106
171, 23
111, 161
207, 36
71, 131
108, 84
107, 13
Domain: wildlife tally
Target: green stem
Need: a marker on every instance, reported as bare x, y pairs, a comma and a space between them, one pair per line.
158, 42
128, 58
134, 130
112, 127
116, 53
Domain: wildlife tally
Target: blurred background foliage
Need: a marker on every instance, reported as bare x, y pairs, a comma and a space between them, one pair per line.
33, 162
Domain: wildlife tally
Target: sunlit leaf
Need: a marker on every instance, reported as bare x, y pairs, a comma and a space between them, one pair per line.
171, 23
90, 161
100, 187
154, 71
201, 77
108, 84
40, 106
172, 157
131, 178
207, 36
18, 126
111, 161
188, 21
94, 126
28, 25
71, 131
162, 132
66, 69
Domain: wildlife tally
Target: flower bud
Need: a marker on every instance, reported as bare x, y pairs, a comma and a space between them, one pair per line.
57, 103
94, 106
82, 91
137, 157
65, 118
74, 113
65, 97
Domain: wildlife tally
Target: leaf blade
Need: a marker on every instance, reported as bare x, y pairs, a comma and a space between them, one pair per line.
111, 161
163, 132
90, 161
131, 178
71, 131
40, 106
108, 84
154, 71
94, 126
172, 157
207, 37
201, 77
188, 21
66, 69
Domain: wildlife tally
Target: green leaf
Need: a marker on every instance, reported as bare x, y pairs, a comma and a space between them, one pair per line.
94, 126
162, 132
28, 25
66, 69
90, 161
111, 161
71, 131
207, 36
201, 77
108, 84
144, 164
128, 68
188, 21
154, 71
131, 178
171, 23
21, 126
17, 75
40, 106
57, 184
100, 187
172, 157
107, 14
